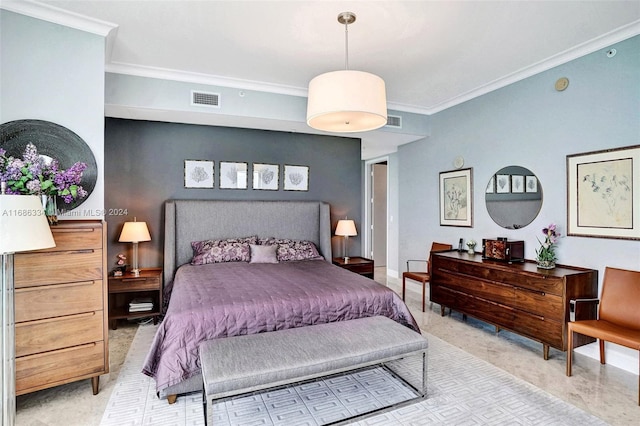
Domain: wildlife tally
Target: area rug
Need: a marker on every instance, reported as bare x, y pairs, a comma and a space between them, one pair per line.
462, 390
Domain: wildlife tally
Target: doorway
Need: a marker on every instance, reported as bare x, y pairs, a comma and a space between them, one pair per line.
377, 214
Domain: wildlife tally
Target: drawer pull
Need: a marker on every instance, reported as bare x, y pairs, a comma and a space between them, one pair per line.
72, 231
68, 252
133, 279
79, 283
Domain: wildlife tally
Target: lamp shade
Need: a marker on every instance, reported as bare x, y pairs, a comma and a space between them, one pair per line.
346, 228
23, 224
134, 232
346, 101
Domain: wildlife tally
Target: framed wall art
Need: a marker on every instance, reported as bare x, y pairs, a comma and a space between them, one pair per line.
456, 198
296, 178
603, 193
531, 184
517, 184
233, 175
503, 184
491, 186
266, 176
198, 174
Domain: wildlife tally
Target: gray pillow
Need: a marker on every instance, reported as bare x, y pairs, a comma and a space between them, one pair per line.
263, 254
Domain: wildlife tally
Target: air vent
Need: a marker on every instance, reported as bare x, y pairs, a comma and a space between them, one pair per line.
206, 99
394, 121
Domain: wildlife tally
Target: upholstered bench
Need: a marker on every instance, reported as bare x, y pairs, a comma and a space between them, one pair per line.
242, 364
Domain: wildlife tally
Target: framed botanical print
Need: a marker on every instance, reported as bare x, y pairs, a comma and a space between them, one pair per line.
531, 184
503, 184
456, 198
517, 184
296, 178
266, 176
603, 193
233, 175
198, 174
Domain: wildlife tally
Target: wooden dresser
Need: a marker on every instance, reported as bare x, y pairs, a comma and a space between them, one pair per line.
518, 297
61, 309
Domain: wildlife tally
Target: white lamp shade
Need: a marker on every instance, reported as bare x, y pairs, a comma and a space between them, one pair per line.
347, 101
134, 232
346, 228
23, 224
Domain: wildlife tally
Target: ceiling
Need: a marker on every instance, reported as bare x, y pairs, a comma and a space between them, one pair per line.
431, 54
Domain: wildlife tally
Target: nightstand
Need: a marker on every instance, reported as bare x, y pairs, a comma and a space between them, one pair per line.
124, 289
359, 265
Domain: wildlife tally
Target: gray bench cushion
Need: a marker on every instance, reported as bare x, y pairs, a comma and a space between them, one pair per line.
241, 364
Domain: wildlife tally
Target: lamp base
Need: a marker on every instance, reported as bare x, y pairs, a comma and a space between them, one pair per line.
135, 272
346, 259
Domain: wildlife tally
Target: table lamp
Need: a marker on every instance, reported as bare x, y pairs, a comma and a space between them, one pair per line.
135, 232
23, 227
346, 228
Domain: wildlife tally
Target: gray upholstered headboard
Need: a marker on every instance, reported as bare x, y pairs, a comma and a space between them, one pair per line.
196, 220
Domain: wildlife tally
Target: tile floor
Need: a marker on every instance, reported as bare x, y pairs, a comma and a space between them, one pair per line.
605, 391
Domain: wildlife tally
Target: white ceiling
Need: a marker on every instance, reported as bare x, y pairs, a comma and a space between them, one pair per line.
431, 54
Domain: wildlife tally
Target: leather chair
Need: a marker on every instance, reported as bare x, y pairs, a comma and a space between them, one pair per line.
422, 276
618, 316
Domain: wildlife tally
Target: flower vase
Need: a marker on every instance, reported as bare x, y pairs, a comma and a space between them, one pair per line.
50, 205
471, 250
546, 264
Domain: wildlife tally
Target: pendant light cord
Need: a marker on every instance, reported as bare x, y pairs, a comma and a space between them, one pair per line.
346, 45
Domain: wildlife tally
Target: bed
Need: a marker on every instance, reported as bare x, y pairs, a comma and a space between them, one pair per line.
216, 300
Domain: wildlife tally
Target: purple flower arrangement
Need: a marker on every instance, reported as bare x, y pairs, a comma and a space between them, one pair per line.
546, 252
34, 175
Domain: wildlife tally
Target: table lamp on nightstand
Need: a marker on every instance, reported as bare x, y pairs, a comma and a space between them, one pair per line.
135, 232
346, 228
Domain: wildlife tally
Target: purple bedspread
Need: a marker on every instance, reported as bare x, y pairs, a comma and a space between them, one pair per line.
230, 299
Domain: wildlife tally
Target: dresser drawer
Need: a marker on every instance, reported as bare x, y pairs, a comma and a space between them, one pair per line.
56, 333
123, 285
33, 303
36, 269
539, 303
48, 369
486, 289
79, 237
541, 329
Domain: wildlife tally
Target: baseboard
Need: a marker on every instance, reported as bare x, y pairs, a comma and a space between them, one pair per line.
616, 355
393, 274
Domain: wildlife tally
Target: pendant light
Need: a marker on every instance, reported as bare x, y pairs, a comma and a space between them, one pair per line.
346, 101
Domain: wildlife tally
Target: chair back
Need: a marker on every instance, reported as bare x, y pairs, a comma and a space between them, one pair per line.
436, 247
620, 299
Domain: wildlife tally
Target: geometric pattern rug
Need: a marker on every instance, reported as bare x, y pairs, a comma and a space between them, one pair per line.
461, 390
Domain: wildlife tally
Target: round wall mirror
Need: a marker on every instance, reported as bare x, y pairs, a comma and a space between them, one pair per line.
513, 197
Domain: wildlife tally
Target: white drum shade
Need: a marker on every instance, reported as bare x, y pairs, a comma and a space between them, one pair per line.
23, 224
347, 101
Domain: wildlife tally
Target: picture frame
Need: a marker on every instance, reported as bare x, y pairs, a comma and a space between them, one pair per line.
531, 184
503, 184
233, 175
517, 184
296, 178
456, 198
266, 176
603, 192
491, 186
198, 173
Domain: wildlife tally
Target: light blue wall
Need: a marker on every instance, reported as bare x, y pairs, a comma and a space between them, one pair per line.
55, 73
529, 124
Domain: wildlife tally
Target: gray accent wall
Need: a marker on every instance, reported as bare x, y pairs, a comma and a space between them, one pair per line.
144, 166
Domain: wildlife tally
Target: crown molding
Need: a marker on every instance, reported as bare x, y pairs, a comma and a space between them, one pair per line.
200, 78
59, 16
583, 49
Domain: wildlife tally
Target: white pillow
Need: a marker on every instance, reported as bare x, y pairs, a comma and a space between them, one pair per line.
263, 254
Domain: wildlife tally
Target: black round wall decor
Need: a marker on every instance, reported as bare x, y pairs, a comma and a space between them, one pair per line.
55, 141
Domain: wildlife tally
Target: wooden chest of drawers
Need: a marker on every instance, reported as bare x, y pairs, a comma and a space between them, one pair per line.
61, 309
517, 297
